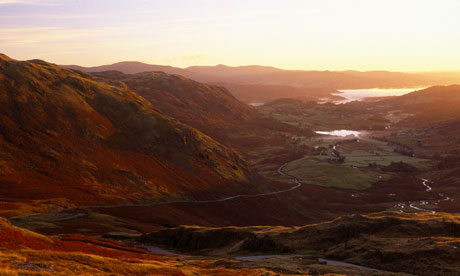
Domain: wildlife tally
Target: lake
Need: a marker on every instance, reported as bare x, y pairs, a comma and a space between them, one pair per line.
341, 133
359, 94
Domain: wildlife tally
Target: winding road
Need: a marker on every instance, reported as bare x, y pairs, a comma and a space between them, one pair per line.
280, 171
73, 216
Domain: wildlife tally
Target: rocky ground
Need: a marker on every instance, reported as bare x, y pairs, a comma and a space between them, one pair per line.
420, 244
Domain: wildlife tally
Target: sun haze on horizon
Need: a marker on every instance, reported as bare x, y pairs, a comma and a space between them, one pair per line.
362, 35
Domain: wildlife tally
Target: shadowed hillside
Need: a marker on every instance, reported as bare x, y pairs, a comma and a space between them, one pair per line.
422, 244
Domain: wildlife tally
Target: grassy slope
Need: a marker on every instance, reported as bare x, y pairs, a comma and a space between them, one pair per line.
63, 134
312, 170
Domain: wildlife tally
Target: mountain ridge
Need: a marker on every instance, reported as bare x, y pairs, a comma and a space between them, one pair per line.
63, 133
254, 83
132, 67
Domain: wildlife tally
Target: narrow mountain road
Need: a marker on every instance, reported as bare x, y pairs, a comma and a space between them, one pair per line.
280, 171
78, 215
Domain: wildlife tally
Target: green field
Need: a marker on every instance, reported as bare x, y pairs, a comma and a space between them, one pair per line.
315, 171
353, 173
318, 116
364, 158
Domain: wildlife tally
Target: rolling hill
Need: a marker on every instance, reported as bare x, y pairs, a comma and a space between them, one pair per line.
434, 105
419, 244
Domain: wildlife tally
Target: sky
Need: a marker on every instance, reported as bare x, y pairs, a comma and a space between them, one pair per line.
396, 35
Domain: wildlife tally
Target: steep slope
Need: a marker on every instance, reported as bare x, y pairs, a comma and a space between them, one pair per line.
203, 106
209, 108
65, 135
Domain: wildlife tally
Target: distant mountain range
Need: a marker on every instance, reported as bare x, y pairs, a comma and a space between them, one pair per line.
262, 83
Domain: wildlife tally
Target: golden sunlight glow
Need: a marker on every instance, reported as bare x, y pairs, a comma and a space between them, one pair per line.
409, 35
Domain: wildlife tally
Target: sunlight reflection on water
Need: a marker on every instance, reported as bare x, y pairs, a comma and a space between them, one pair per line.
341, 132
359, 94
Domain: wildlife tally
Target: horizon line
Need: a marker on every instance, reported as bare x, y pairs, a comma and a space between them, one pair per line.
246, 65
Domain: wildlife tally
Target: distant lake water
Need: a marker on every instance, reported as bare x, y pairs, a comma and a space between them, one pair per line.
256, 104
359, 94
341, 132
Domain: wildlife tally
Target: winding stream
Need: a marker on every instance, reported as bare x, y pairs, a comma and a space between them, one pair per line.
428, 189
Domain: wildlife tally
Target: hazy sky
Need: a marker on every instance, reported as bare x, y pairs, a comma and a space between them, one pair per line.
399, 35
